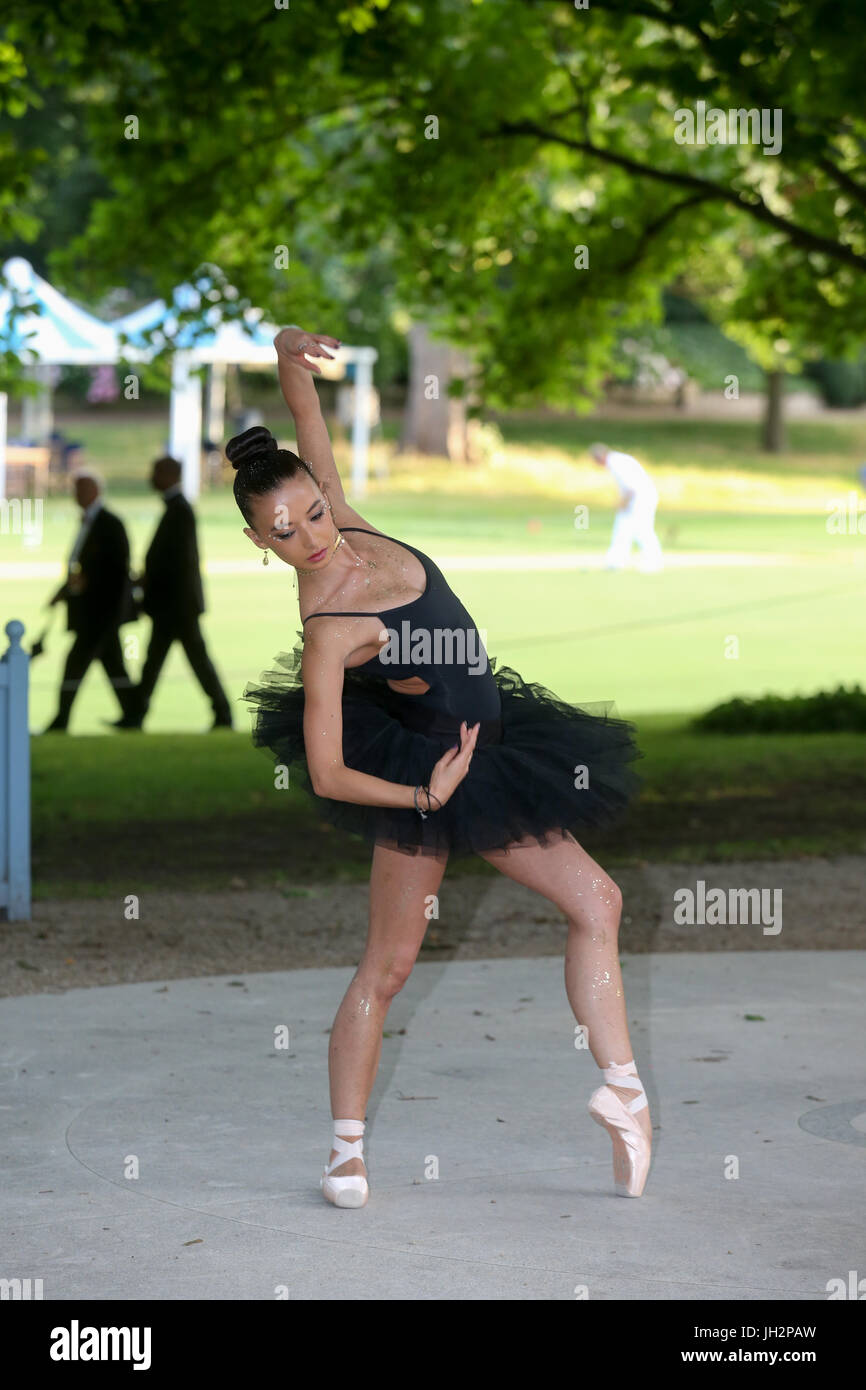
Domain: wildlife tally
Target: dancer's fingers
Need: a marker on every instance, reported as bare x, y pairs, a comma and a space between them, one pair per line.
307, 350
469, 741
310, 345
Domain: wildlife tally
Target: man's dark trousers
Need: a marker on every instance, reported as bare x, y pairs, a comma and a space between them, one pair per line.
95, 644
184, 629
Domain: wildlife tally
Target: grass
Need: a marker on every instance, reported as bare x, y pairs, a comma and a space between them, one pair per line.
172, 807
674, 642
160, 811
822, 448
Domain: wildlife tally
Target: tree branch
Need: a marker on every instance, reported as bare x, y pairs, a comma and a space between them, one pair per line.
799, 236
857, 191
711, 47
652, 229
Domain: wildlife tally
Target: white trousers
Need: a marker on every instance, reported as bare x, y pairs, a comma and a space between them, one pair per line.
635, 524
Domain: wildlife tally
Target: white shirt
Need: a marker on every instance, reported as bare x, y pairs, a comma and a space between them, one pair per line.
631, 477
86, 523
171, 491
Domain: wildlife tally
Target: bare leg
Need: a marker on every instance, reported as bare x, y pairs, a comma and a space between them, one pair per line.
564, 873
400, 886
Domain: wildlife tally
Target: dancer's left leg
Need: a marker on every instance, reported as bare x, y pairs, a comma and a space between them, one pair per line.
565, 874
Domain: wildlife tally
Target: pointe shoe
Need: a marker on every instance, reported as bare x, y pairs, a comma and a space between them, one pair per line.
631, 1148
348, 1191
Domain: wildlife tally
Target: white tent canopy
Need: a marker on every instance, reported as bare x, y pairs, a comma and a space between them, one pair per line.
64, 333
59, 333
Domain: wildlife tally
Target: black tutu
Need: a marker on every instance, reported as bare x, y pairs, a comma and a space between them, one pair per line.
521, 780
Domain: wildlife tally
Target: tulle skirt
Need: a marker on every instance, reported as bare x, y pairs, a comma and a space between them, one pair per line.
544, 768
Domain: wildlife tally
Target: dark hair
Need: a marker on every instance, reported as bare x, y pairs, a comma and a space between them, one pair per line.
261, 464
173, 465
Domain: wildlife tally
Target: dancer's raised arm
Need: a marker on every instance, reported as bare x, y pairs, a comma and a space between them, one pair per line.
314, 443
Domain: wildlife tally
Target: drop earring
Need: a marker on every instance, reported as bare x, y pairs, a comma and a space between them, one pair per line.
266, 561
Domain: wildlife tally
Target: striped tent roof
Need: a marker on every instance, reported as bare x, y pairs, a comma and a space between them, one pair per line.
210, 339
61, 332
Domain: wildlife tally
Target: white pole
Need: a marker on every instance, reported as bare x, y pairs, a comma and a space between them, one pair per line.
192, 458
29, 409
185, 428
361, 423
46, 420
216, 406
36, 411
179, 377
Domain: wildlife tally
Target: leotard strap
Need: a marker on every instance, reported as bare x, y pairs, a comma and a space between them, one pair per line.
360, 612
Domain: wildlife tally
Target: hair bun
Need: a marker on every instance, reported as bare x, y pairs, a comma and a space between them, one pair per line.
253, 444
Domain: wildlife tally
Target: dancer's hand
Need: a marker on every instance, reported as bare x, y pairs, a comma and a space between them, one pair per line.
293, 343
452, 767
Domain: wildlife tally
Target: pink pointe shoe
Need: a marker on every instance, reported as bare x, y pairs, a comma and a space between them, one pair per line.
347, 1191
631, 1148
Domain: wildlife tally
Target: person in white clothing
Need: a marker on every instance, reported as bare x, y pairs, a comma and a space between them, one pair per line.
635, 516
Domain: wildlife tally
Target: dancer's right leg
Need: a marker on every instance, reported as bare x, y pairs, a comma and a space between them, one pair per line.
400, 888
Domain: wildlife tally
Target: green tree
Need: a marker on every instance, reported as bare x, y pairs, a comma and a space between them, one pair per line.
480, 146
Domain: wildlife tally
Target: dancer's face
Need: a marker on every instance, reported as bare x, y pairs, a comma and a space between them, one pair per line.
294, 522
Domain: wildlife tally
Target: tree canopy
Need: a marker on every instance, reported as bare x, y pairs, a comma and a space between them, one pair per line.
514, 163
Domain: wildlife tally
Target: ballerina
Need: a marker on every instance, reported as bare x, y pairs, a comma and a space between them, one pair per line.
392, 716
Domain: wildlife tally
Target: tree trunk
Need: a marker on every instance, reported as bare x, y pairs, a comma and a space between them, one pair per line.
434, 422
773, 439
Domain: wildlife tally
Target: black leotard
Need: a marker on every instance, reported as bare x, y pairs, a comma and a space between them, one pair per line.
439, 638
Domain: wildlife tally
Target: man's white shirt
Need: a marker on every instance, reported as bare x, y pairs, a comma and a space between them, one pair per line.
631, 477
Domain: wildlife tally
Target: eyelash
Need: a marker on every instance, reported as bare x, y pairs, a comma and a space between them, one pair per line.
287, 535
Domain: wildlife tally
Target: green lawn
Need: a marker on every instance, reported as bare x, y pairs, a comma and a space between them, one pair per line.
145, 812
653, 644
660, 646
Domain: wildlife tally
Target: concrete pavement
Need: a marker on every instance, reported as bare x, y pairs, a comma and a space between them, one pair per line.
160, 1143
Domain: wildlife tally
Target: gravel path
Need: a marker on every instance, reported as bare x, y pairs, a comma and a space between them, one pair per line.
89, 942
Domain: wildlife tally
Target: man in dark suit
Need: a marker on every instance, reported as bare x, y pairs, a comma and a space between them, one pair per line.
173, 597
98, 596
